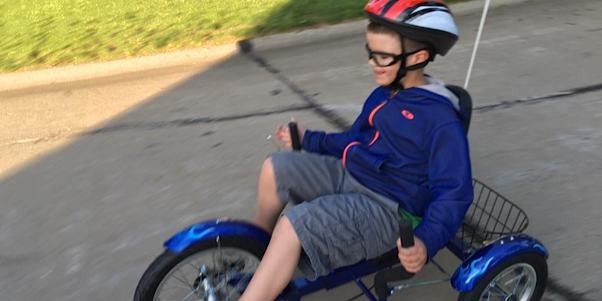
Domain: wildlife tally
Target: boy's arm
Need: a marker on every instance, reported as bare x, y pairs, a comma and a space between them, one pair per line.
335, 143
326, 144
450, 183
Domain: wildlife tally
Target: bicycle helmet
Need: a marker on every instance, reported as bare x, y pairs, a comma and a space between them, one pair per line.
427, 21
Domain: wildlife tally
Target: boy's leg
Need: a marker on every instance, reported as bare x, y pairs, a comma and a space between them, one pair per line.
294, 177
340, 230
333, 230
269, 205
277, 266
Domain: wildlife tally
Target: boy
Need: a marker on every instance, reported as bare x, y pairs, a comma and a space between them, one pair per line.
406, 154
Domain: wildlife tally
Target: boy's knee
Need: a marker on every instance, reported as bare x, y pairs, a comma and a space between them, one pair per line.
267, 166
267, 169
283, 161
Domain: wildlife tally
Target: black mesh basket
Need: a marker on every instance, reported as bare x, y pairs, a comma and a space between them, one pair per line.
490, 216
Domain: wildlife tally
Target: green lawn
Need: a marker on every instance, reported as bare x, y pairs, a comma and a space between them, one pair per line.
36, 33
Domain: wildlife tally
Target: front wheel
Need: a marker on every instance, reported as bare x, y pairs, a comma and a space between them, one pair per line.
215, 269
520, 278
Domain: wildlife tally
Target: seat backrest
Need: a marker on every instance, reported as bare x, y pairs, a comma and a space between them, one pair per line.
465, 103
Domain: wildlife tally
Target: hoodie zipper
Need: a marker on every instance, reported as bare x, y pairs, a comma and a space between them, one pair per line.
371, 123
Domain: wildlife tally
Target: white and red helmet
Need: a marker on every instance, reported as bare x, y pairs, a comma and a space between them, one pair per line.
427, 21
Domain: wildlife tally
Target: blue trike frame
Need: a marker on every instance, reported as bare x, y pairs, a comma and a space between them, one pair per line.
475, 262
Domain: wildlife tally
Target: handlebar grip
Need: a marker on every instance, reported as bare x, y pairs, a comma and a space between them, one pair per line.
295, 136
405, 233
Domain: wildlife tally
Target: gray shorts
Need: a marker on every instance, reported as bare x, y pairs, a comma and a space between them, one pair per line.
339, 221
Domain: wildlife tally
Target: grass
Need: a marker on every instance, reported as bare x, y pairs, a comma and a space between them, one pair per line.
37, 34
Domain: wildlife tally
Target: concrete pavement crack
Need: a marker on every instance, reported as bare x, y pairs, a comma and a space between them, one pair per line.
181, 122
324, 111
538, 99
246, 48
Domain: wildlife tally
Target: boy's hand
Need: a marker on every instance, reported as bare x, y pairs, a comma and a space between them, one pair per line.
413, 258
283, 134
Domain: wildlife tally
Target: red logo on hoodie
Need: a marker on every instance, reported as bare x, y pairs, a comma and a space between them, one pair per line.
407, 114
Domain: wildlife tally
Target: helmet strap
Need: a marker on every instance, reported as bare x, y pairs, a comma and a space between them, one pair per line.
403, 69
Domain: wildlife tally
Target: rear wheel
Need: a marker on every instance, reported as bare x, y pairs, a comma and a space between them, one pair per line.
216, 269
521, 278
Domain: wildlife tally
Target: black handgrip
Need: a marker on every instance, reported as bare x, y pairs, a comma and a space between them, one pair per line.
295, 136
405, 233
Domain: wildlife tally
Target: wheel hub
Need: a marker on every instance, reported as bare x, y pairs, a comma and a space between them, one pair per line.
515, 283
211, 275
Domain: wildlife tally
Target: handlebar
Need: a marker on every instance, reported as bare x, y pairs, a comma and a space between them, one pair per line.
398, 273
295, 136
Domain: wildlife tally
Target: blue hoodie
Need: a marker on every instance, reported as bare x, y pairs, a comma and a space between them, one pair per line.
411, 147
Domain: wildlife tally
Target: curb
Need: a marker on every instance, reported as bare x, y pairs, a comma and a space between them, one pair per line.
59, 75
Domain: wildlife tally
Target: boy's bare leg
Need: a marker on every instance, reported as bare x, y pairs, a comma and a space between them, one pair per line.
277, 266
269, 205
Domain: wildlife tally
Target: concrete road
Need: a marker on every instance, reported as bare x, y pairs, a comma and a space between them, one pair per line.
95, 175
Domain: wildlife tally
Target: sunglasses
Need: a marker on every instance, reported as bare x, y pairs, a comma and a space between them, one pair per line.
383, 59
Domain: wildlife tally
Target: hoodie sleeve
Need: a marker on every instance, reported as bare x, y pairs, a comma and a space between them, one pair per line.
450, 184
335, 143
332, 144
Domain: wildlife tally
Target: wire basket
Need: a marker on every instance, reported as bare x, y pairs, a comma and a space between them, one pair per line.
489, 217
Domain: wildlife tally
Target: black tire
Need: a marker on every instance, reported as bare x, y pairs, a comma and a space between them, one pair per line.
160, 267
536, 261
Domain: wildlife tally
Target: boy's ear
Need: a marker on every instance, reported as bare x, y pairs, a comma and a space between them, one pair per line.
421, 56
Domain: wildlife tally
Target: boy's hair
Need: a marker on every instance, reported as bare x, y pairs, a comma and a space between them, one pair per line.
410, 44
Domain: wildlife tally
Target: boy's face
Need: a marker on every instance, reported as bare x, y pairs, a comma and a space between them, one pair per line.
379, 42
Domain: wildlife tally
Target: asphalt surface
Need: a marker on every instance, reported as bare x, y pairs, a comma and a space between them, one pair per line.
95, 175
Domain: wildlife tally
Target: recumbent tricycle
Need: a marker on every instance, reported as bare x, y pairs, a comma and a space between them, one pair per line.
215, 260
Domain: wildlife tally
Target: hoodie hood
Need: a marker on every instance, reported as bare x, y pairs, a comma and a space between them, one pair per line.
438, 87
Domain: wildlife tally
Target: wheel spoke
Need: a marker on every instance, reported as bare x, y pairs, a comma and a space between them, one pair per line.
195, 267
514, 279
523, 290
187, 296
505, 273
502, 291
185, 281
177, 285
171, 290
518, 281
176, 277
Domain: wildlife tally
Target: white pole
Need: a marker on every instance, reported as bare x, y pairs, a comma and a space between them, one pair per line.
476, 44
